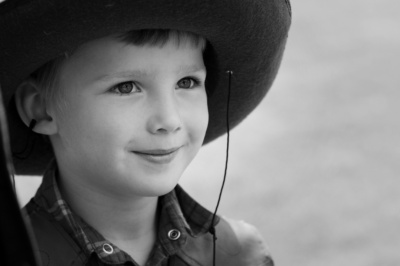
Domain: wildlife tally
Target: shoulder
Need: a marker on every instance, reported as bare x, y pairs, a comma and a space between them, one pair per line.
53, 245
241, 239
238, 243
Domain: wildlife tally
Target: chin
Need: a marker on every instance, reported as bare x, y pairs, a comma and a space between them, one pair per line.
160, 187
159, 190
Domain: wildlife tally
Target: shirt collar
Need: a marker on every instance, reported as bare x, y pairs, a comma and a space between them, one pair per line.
180, 216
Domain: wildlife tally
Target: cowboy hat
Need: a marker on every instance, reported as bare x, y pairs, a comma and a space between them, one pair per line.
246, 37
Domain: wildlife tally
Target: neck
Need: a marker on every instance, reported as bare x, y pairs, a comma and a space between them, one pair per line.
118, 219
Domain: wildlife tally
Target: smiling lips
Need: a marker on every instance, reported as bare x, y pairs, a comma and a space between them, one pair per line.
159, 156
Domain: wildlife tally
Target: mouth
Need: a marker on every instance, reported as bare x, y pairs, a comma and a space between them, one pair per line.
160, 156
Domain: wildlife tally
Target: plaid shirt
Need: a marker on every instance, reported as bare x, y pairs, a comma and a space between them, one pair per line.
179, 214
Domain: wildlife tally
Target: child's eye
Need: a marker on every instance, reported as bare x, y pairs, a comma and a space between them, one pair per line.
187, 83
125, 88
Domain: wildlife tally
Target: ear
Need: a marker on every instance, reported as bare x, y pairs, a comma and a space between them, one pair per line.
30, 105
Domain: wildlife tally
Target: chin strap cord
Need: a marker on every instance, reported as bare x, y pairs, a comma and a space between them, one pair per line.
26, 151
29, 143
212, 227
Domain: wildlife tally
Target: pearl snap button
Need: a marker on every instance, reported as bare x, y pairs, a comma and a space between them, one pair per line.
107, 248
174, 234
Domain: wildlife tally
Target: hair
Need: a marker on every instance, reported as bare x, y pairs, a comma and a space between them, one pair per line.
159, 37
47, 75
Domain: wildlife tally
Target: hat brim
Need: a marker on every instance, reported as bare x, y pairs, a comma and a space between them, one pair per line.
246, 36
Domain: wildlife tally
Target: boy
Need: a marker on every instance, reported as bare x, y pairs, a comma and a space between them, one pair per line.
126, 107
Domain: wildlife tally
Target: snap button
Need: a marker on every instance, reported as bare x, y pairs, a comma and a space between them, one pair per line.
174, 234
107, 248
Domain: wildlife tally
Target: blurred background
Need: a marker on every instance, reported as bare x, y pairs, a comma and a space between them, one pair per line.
316, 166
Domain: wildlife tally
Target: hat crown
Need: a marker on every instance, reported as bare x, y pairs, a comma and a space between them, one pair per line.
245, 36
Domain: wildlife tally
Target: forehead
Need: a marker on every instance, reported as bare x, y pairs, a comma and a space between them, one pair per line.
103, 58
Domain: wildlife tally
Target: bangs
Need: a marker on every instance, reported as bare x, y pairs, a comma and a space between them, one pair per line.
159, 37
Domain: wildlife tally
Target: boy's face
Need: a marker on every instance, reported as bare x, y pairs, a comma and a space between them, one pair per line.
132, 118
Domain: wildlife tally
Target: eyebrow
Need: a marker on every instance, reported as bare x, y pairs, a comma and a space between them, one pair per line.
146, 73
190, 68
123, 74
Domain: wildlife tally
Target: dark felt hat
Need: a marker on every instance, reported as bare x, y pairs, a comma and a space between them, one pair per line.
245, 36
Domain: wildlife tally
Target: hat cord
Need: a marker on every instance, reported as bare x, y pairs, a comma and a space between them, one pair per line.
24, 153
212, 227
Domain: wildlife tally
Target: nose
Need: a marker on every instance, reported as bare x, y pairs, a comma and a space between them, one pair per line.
165, 117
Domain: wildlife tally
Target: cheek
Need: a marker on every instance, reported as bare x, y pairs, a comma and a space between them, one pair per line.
203, 118
197, 119
94, 127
